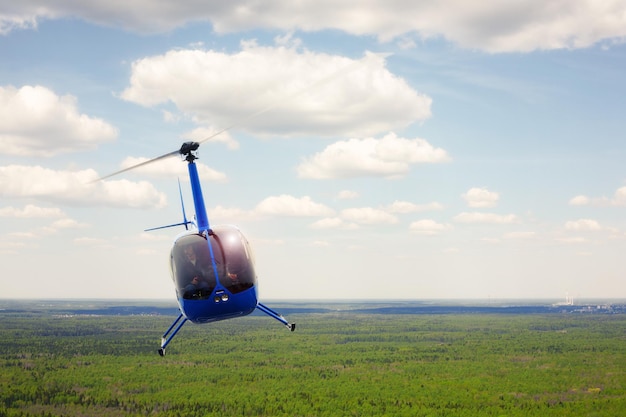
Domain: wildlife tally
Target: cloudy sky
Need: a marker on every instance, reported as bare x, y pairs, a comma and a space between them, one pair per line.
370, 149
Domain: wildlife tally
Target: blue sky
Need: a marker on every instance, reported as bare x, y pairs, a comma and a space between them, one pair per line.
454, 152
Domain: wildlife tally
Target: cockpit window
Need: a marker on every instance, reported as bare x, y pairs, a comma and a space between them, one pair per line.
193, 271
239, 268
192, 268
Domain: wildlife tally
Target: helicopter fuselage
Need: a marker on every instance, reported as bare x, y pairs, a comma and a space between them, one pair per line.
212, 267
214, 275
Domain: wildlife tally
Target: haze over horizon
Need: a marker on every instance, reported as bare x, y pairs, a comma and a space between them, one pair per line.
456, 152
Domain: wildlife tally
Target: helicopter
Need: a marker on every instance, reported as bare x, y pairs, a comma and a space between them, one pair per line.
212, 267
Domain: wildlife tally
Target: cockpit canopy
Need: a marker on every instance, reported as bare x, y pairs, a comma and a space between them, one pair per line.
197, 268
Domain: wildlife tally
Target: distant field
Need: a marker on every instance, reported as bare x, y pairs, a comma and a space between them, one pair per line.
334, 364
169, 308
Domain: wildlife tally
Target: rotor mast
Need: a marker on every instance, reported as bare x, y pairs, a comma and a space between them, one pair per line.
188, 151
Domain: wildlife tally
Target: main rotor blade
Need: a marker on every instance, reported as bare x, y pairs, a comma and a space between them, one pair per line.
141, 164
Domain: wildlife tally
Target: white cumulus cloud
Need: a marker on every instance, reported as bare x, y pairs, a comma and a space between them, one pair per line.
579, 200
37, 122
491, 25
67, 223
76, 188
31, 211
481, 197
334, 223
279, 90
389, 157
490, 218
428, 227
618, 200
288, 205
583, 225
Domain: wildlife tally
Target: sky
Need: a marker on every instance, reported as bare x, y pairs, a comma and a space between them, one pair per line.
369, 150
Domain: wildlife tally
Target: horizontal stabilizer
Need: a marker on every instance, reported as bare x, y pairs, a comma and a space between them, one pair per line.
169, 225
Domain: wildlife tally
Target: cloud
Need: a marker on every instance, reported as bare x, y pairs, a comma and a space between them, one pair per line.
327, 223
25, 20
579, 200
171, 168
67, 223
61, 224
37, 122
428, 227
31, 211
64, 224
618, 200
583, 225
403, 207
352, 218
334, 223
368, 215
494, 26
76, 188
348, 219
296, 92
490, 218
480, 197
389, 157
287, 205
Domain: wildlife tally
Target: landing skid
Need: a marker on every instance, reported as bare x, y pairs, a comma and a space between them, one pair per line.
277, 316
165, 340
178, 324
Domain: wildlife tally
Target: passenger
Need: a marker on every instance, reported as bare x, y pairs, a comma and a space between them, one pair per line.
197, 286
238, 275
234, 278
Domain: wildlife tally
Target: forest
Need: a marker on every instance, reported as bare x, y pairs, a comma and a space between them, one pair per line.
334, 364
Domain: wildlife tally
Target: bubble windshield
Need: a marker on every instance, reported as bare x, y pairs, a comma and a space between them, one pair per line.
239, 262
193, 271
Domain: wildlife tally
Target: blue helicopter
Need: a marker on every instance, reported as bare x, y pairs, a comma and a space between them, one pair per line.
212, 267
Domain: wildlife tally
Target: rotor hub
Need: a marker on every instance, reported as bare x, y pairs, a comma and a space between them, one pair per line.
188, 150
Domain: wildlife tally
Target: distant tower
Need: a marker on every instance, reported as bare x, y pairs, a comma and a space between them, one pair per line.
569, 301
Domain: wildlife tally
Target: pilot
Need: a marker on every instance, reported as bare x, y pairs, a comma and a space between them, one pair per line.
193, 272
237, 272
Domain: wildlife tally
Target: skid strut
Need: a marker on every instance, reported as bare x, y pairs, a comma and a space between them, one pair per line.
181, 320
165, 340
277, 316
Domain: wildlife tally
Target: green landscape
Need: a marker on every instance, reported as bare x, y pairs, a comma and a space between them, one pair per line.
337, 363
